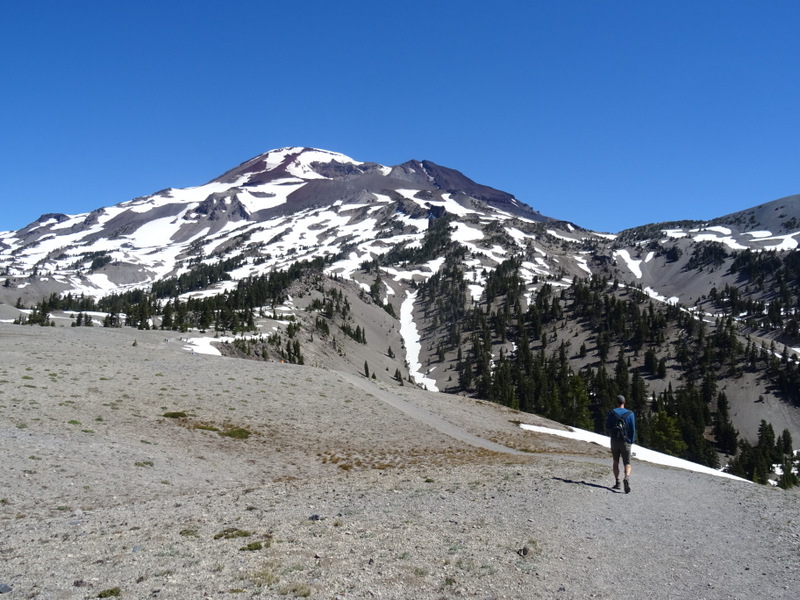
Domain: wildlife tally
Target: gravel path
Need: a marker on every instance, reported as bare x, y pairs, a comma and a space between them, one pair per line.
345, 489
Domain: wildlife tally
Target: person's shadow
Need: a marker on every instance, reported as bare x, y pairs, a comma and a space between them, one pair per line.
586, 483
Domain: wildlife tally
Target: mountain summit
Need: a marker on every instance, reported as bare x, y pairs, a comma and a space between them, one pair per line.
304, 203
322, 197
326, 177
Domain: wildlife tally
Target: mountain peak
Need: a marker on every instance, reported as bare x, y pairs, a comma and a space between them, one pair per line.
293, 162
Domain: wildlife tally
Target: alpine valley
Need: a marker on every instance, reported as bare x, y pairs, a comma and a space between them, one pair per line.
417, 275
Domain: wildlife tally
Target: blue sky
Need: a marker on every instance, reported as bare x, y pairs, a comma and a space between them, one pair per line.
608, 114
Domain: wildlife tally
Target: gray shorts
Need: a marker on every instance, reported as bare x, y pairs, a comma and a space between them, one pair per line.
621, 448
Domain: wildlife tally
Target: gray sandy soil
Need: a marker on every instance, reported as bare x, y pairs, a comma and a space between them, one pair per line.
346, 488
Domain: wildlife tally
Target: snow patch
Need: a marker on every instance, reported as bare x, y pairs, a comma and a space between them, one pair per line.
719, 229
633, 265
464, 233
782, 242
727, 240
410, 335
656, 296
555, 234
581, 260
644, 454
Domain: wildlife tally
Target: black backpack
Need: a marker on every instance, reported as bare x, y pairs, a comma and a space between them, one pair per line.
619, 430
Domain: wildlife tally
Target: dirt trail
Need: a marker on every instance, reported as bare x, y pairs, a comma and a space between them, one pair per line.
424, 416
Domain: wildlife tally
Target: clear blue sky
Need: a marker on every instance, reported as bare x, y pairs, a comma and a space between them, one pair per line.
609, 114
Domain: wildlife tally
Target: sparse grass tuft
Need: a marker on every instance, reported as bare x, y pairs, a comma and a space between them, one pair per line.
252, 546
264, 577
179, 414
231, 533
188, 532
114, 592
237, 433
206, 427
298, 590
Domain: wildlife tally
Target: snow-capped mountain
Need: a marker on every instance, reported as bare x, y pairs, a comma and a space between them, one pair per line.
282, 206
301, 203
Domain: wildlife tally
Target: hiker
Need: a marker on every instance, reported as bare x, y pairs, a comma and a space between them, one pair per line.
621, 424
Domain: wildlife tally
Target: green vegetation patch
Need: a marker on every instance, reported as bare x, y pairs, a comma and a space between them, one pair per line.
206, 427
230, 533
188, 532
179, 414
252, 546
237, 433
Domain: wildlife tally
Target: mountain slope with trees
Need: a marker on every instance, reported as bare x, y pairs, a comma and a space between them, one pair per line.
309, 257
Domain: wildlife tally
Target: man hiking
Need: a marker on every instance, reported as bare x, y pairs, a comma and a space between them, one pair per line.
621, 425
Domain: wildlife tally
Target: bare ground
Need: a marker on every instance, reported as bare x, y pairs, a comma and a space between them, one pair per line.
345, 488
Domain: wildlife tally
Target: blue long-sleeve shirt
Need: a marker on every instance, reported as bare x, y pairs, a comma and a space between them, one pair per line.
630, 421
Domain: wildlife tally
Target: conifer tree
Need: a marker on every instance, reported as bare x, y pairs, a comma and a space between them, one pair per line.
665, 436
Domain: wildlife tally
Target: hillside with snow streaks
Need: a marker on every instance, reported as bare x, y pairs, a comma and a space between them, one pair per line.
295, 203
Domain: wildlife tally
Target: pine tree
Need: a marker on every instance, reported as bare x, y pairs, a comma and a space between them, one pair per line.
784, 443
621, 376
665, 436
502, 389
662, 368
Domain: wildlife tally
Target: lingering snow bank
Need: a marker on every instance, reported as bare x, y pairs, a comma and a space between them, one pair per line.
781, 242
638, 452
728, 240
656, 296
582, 262
410, 335
204, 345
633, 265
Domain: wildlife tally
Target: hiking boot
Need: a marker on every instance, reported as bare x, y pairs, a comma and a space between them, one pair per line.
615, 486
627, 487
